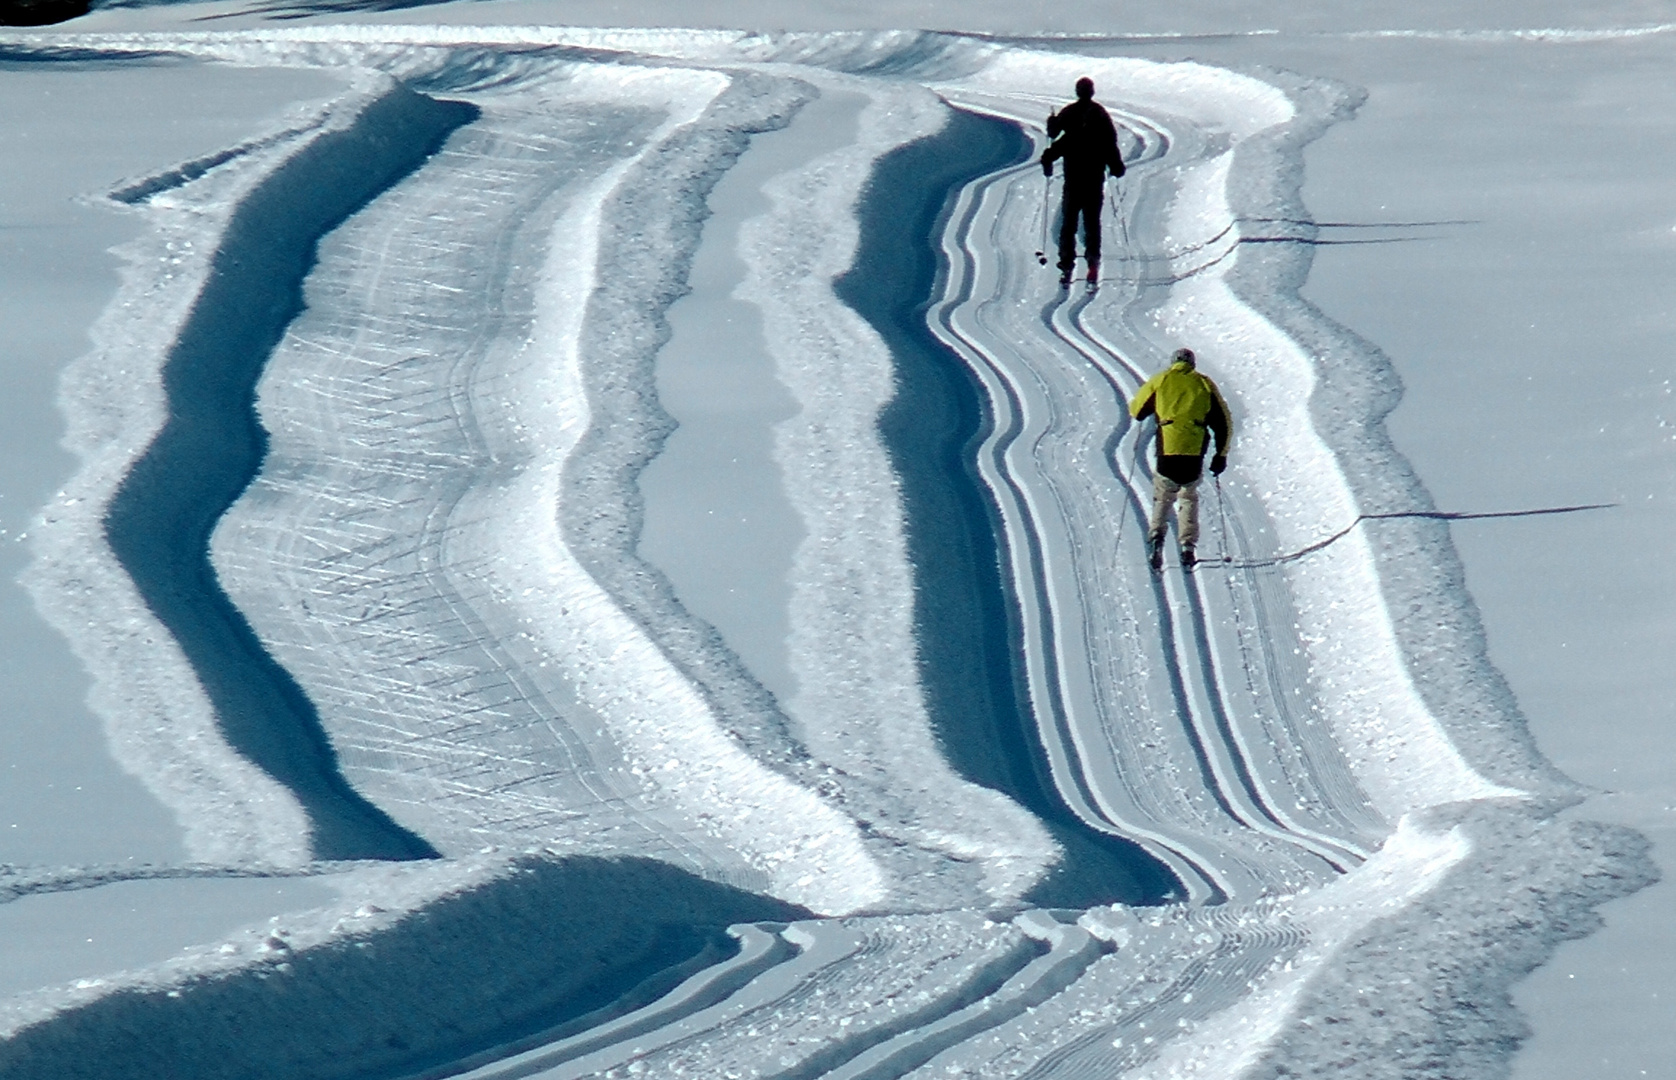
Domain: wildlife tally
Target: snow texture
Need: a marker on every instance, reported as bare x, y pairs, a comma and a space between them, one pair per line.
440, 548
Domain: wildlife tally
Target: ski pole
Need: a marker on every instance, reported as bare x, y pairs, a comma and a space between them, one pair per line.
1123, 493
1041, 246
1222, 522
1122, 222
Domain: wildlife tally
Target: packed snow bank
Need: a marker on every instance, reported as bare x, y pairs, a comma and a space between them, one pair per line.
434, 404
477, 352
159, 520
1254, 134
1424, 992
859, 706
1410, 563
74, 131
418, 965
1421, 709
162, 722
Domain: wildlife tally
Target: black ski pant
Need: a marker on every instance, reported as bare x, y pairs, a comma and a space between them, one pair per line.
1082, 200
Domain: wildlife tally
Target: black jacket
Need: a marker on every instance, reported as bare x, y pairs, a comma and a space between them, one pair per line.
1084, 136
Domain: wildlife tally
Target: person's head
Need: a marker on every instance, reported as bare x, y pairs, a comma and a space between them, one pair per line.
1085, 88
1183, 356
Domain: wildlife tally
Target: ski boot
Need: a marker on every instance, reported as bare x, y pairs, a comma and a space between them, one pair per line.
1155, 552
1188, 558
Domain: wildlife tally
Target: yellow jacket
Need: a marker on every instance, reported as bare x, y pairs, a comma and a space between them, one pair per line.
1188, 407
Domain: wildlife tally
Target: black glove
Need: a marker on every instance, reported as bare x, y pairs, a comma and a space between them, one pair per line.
1047, 168
1218, 463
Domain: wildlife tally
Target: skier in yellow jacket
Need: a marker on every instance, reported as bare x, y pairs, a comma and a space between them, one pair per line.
1189, 409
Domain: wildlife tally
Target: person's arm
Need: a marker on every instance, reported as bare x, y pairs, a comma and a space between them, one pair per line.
1052, 154
1055, 127
1221, 424
1114, 154
1145, 400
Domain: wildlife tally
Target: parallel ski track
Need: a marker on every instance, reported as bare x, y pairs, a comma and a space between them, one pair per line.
389, 615
1252, 678
1268, 800
1161, 725
1168, 705
880, 998
1223, 754
1227, 750
1232, 638
1163, 704
869, 997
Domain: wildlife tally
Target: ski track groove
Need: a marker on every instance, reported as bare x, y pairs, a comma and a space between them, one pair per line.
1315, 775
1161, 700
1256, 806
1022, 549
402, 499
760, 951
1222, 750
869, 980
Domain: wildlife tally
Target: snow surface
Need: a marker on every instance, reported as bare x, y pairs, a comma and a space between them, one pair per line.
75, 137
444, 549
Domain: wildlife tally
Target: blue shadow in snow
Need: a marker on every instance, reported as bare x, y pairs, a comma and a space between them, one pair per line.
212, 445
967, 624
554, 948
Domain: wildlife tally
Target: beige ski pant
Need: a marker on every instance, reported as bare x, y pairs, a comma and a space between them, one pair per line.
1185, 499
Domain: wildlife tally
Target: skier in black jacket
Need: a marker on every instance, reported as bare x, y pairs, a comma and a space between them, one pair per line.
1083, 135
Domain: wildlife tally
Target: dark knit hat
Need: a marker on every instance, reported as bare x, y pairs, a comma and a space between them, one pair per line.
1085, 88
1183, 356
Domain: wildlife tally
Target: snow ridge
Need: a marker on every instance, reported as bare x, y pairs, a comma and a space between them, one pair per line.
469, 953
439, 549
1400, 756
1204, 798
159, 520
1434, 624
161, 725
440, 528
859, 705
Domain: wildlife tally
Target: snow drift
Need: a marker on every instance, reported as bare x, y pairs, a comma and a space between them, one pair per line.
439, 549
